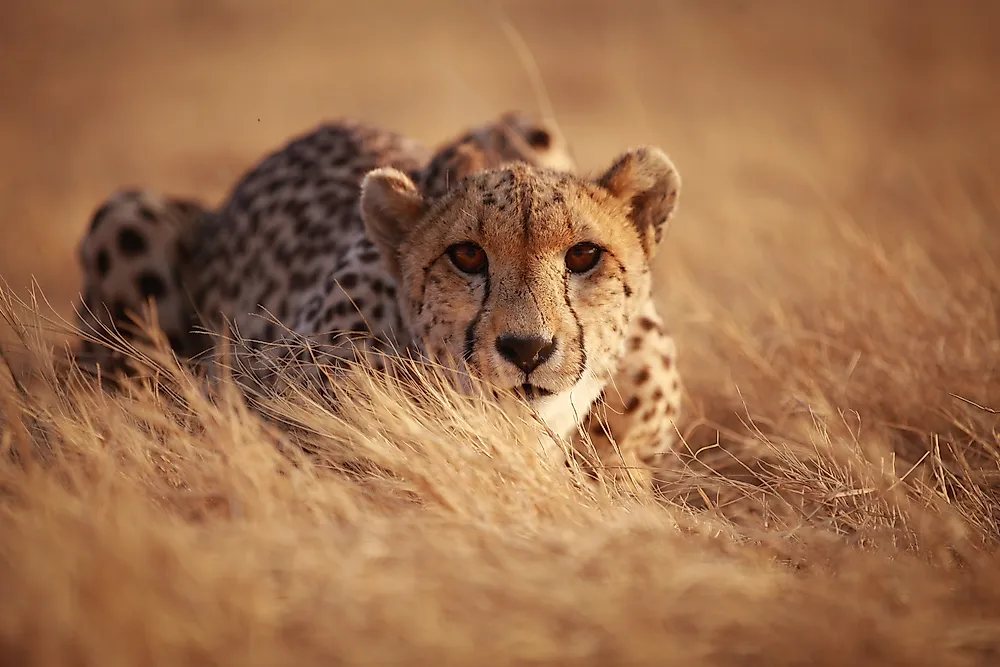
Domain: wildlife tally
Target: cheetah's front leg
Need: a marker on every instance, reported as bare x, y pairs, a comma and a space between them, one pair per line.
635, 421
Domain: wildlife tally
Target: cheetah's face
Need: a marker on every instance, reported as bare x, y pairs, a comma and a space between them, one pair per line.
530, 276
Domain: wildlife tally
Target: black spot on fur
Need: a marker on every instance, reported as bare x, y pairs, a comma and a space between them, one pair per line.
176, 343
295, 208
297, 281
254, 224
183, 252
131, 242
241, 245
151, 284
103, 262
539, 139
349, 281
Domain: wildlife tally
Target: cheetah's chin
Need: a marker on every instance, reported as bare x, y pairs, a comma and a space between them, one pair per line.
530, 392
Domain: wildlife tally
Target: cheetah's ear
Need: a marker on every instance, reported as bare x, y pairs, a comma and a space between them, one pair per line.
537, 141
532, 131
648, 182
390, 206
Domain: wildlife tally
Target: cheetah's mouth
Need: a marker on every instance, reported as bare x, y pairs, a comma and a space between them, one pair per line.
531, 391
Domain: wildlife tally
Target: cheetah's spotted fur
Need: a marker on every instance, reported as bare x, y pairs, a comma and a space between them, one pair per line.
354, 228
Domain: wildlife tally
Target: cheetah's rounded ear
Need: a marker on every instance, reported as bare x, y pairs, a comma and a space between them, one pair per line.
648, 182
538, 139
391, 205
533, 131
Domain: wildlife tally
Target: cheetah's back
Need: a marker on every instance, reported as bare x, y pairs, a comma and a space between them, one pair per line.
290, 223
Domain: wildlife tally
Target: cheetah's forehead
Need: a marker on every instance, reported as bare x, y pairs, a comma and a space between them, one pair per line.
523, 208
522, 214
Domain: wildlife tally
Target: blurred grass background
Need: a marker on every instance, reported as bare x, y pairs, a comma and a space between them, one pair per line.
771, 110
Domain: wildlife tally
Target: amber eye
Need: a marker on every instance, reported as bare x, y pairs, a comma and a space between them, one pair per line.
468, 257
583, 257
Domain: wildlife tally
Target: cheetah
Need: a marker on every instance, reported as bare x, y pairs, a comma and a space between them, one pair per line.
492, 252
140, 244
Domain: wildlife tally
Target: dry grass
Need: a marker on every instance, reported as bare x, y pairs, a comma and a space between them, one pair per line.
832, 280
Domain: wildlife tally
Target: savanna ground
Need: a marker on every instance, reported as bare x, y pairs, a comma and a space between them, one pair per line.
831, 278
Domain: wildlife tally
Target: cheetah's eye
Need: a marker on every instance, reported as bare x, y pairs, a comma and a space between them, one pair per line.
468, 257
583, 257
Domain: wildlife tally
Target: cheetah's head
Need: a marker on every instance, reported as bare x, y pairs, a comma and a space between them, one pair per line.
528, 275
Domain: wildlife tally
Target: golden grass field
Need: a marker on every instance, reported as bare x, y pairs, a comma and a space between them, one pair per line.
831, 277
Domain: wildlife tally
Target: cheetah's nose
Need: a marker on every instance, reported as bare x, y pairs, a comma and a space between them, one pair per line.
525, 352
